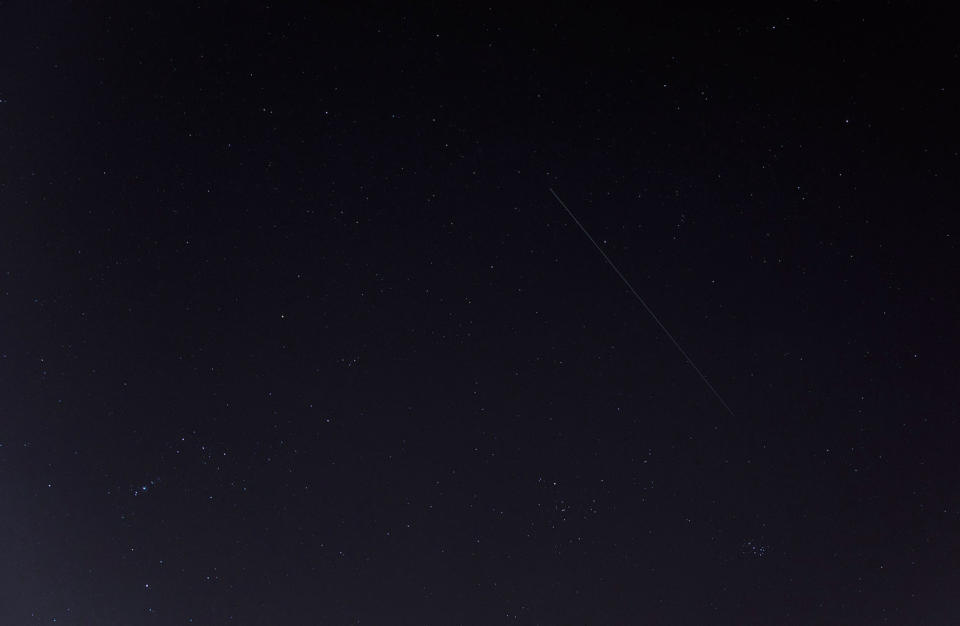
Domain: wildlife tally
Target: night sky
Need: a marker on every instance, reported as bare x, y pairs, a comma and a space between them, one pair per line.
292, 330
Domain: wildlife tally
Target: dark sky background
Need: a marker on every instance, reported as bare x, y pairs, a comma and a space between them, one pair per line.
293, 332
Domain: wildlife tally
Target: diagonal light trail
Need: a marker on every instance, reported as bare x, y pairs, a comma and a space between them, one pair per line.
645, 305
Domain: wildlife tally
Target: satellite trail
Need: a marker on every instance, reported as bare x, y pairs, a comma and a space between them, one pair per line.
645, 305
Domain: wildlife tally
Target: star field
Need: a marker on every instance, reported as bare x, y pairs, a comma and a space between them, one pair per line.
292, 330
